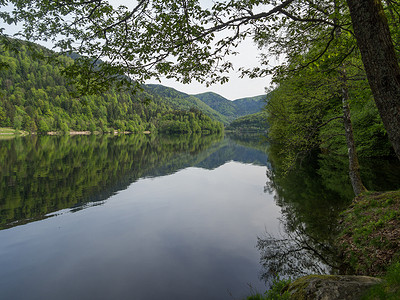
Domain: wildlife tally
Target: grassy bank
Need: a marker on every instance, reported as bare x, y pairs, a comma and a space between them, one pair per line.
6, 130
369, 244
6, 133
370, 240
278, 291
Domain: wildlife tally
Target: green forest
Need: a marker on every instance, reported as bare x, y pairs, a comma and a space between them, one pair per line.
236, 108
305, 110
37, 98
256, 122
334, 96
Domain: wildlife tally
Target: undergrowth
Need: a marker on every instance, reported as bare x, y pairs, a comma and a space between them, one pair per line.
276, 292
390, 288
370, 239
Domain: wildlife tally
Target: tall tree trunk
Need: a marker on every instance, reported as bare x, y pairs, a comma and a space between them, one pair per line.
354, 167
377, 51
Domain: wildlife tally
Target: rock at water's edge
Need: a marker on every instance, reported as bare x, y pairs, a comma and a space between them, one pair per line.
331, 287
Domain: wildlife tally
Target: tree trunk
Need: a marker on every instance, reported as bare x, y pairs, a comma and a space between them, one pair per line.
354, 167
377, 51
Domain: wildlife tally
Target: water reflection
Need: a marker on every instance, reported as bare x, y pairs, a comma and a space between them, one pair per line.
173, 218
311, 197
40, 175
176, 216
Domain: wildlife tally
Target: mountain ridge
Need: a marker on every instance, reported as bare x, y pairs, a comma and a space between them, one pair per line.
233, 109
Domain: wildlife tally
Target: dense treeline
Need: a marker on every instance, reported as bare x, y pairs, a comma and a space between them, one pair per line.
305, 111
35, 97
188, 122
250, 123
322, 88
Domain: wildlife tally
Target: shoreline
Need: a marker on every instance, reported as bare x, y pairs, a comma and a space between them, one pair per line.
10, 132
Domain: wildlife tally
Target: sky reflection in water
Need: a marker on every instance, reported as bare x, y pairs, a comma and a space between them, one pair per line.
189, 235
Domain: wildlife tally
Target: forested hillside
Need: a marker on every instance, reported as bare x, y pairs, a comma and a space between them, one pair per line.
233, 109
250, 105
184, 101
219, 103
36, 97
250, 123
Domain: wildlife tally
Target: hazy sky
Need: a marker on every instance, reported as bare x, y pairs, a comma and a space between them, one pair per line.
236, 87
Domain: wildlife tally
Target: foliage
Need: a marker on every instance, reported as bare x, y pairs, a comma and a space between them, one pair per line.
305, 112
370, 236
390, 288
250, 123
188, 122
153, 38
295, 111
276, 292
36, 97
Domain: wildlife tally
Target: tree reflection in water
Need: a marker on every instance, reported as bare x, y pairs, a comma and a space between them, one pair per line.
311, 197
40, 175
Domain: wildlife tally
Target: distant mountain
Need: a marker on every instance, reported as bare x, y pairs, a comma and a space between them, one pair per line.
233, 109
182, 101
219, 103
212, 104
250, 105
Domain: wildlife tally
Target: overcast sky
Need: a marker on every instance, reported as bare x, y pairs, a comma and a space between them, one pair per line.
236, 87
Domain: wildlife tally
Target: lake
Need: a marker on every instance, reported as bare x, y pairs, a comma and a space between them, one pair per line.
149, 217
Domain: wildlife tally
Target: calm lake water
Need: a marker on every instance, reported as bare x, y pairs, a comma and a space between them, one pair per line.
144, 217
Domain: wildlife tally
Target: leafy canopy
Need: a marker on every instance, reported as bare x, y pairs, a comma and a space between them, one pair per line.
179, 39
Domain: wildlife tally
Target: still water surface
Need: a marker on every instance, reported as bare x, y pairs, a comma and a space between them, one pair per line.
188, 232
143, 217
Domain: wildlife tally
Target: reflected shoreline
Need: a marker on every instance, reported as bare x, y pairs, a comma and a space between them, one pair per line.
311, 197
40, 175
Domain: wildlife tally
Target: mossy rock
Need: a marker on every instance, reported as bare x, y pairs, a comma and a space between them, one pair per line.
331, 287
